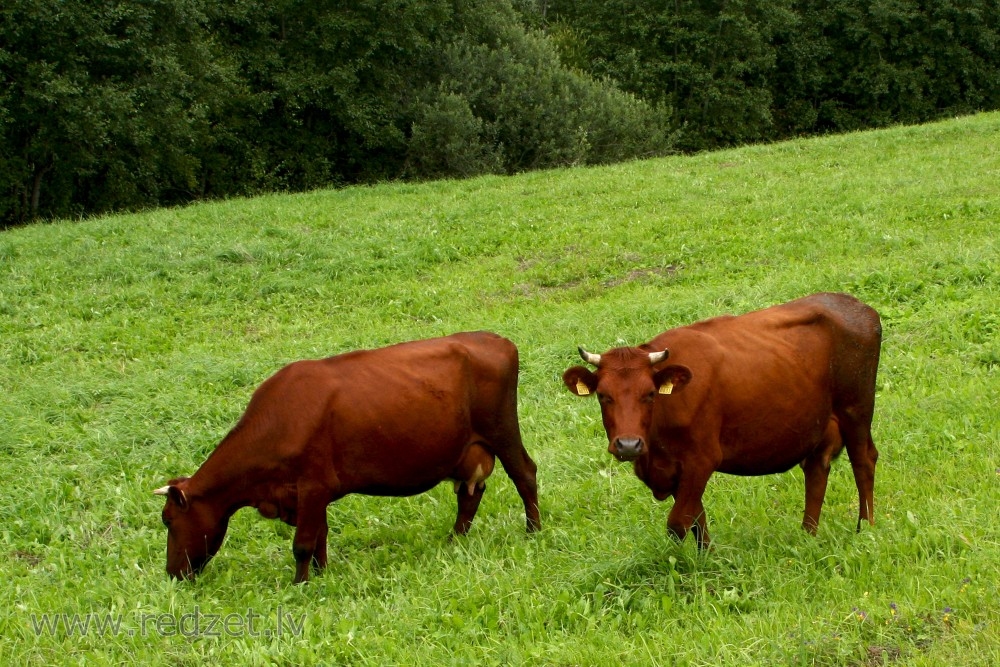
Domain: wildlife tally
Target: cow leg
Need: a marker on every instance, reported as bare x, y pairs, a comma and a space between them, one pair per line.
309, 543
690, 516
688, 513
816, 467
861, 451
817, 471
700, 531
468, 504
319, 553
522, 471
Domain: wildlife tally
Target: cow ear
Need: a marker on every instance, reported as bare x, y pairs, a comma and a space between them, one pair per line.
580, 381
671, 379
174, 493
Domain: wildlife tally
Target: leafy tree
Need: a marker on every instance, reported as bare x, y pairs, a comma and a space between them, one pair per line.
101, 102
751, 70
331, 83
504, 103
113, 104
853, 64
709, 60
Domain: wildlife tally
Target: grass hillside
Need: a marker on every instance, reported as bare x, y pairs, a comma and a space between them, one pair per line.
129, 345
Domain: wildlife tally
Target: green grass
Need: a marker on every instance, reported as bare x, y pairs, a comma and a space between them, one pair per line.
129, 345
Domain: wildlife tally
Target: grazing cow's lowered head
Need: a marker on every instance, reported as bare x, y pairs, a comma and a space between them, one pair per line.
195, 529
627, 382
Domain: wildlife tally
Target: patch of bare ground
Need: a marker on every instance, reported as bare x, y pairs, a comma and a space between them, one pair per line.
881, 655
643, 274
27, 557
544, 287
532, 289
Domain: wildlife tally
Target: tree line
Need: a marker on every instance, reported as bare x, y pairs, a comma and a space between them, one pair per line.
115, 105
737, 71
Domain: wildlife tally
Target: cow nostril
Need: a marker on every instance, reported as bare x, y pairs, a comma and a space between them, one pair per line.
629, 445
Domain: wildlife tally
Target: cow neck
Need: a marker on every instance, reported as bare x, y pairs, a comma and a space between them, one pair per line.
230, 479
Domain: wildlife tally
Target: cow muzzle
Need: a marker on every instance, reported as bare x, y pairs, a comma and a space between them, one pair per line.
188, 569
627, 449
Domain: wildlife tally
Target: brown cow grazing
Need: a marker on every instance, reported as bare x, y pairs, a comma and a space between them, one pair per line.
748, 395
390, 422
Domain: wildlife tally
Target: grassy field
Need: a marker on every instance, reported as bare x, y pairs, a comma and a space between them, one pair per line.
129, 345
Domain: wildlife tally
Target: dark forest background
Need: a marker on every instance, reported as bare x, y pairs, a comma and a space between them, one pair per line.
111, 105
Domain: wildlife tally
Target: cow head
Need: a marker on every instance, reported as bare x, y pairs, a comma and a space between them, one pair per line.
195, 529
628, 382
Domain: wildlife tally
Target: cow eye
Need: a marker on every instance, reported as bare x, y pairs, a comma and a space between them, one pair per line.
650, 397
166, 521
604, 399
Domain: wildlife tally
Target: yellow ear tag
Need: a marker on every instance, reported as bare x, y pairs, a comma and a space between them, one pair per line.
581, 388
667, 387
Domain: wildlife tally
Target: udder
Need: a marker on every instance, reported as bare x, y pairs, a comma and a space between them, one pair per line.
473, 468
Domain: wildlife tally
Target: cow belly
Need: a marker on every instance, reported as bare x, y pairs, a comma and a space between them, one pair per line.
399, 473
421, 469
400, 463
767, 451
753, 468
397, 490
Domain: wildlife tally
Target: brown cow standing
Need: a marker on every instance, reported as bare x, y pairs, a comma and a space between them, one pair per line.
391, 422
748, 395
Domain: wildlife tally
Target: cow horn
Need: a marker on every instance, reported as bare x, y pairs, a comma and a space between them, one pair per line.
657, 357
162, 491
592, 359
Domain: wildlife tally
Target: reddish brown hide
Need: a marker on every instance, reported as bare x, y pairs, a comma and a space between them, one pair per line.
392, 422
749, 395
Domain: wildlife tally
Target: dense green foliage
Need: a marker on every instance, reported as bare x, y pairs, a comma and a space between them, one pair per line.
113, 105
105, 105
753, 70
127, 104
129, 345
501, 105
848, 65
